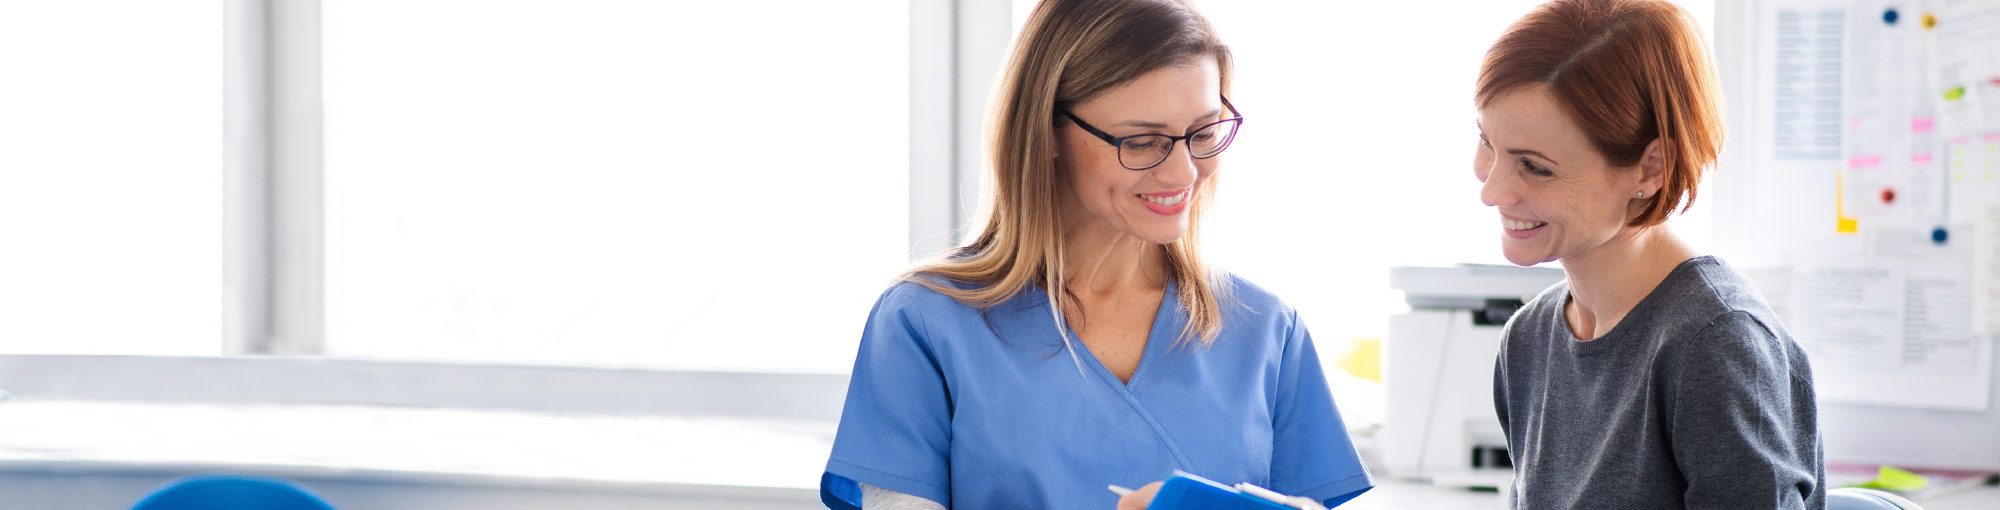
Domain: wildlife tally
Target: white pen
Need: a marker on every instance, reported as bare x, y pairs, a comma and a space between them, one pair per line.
1120, 491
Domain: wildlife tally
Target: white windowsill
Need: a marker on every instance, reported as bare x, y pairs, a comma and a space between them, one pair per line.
703, 454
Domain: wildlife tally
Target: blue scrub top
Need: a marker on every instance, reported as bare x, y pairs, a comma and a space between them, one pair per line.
978, 410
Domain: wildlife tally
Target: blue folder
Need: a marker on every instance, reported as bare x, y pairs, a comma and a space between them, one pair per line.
1186, 491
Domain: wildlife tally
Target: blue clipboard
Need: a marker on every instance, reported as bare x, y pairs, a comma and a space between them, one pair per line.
1185, 491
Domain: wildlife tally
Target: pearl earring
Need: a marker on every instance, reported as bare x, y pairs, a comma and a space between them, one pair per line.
1639, 194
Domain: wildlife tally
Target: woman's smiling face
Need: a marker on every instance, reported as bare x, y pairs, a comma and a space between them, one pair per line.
1557, 195
1150, 204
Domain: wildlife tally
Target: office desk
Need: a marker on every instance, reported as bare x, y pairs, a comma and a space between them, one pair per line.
1979, 498
88, 455
64, 455
1398, 495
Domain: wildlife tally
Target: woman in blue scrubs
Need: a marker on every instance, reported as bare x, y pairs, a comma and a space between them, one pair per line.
1081, 340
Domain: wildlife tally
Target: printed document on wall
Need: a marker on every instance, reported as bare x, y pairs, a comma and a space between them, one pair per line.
1986, 274
1965, 43
1891, 144
1892, 333
1805, 41
1975, 197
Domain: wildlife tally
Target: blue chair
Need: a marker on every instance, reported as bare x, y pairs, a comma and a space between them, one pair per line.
231, 492
1855, 498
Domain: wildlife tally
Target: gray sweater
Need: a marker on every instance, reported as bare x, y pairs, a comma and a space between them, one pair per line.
1698, 398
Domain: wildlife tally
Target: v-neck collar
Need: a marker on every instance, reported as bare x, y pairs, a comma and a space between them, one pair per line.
1167, 322
1166, 318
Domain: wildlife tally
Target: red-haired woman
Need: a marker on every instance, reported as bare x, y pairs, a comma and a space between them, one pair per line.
1652, 377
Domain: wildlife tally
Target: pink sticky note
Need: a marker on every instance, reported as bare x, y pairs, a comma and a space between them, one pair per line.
1922, 124
1991, 138
1920, 158
1868, 161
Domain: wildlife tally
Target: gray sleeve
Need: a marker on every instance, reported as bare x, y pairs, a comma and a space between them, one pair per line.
1500, 389
1500, 409
1735, 425
877, 498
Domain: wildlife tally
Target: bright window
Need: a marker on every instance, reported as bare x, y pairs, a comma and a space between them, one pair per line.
111, 177
706, 185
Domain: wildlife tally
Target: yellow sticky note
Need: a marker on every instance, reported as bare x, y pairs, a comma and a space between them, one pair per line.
1842, 224
1888, 478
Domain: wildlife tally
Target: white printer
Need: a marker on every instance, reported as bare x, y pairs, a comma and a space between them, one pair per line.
1437, 368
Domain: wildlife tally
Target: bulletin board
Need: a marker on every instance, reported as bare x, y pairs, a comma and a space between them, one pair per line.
1861, 187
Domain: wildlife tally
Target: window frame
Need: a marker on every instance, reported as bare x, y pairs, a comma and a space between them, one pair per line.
273, 343
274, 297
273, 233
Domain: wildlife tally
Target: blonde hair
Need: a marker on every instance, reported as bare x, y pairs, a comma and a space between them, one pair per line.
1068, 52
1628, 72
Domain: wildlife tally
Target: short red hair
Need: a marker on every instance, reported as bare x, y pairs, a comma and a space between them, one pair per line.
1627, 72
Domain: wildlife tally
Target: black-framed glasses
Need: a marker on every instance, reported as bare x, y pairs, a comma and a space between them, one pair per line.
1140, 152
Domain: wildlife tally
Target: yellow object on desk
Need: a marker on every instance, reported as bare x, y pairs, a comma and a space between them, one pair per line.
1889, 478
1363, 359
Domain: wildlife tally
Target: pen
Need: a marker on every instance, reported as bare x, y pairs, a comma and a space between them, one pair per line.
1120, 491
